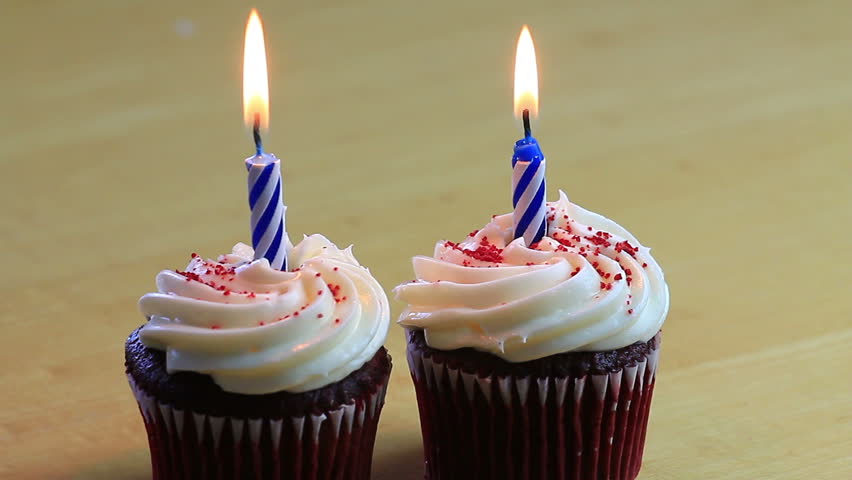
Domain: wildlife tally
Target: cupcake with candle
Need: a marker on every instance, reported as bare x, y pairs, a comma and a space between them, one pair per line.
266, 363
540, 361
534, 342
246, 371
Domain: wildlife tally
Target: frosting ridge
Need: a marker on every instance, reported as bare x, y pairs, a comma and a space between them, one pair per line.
588, 285
255, 329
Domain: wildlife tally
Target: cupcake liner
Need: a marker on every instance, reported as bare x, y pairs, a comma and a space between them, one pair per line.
576, 427
336, 444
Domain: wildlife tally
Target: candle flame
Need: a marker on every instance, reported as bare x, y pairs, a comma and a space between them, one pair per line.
255, 80
526, 75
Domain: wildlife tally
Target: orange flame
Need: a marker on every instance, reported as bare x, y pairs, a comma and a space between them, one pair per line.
526, 75
255, 79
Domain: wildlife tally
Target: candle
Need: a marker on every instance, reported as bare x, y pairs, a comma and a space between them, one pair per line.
268, 235
528, 182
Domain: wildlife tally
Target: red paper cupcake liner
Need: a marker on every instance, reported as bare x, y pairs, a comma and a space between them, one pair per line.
337, 444
570, 428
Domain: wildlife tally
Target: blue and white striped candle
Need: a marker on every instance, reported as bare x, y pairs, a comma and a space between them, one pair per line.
529, 191
528, 182
266, 197
268, 233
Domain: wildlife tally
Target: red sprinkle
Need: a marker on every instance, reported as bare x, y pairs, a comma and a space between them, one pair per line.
626, 247
318, 274
319, 315
564, 242
335, 269
336, 320
261, 323
644, 265
617, 276
630, 312
194, 255
597, 240
485, 252
295, 314
215, 327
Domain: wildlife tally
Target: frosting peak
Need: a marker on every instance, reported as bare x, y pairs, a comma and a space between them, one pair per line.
588, 285
255, 329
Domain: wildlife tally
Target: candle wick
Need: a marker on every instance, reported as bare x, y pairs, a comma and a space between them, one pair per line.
527, 128
258, 143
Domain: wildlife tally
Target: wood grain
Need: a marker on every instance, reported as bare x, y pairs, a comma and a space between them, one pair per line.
718, 132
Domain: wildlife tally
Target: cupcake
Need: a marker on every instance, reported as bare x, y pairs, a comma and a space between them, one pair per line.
539, 361
245, 371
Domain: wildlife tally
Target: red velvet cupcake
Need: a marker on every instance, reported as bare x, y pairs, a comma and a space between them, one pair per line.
244, 371
536, 362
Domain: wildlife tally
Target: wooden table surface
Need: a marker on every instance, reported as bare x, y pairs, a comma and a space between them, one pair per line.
718, 132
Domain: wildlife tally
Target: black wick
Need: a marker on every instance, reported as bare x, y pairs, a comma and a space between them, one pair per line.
527, 129
258, 143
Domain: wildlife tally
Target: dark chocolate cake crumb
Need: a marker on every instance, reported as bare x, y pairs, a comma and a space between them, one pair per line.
553, 366
199, 393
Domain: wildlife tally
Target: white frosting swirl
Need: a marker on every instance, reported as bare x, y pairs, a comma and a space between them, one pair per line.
258, 330
587, 286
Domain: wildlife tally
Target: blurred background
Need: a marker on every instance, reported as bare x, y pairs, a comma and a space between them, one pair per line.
717, 132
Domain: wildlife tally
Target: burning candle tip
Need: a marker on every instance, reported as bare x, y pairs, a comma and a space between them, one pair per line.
527, 128
258, 142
